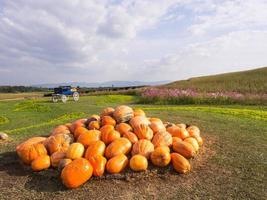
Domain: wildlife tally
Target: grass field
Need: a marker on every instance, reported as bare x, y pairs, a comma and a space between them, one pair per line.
252, 81
231, 165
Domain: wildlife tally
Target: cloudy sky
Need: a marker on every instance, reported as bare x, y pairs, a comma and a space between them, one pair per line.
52, 41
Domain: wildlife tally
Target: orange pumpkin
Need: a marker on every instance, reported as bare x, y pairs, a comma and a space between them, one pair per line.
123, 128
41, 163
88, 137
184, 148
28, 153
76, 124
123, 113
176, 131
94, 125
139, 112
93, 118
117, 163
60, 142
136, 121
193, 131
95, 148
162, 139
168, 124
75, 150
108, 137
138, 163
143, 147
193, 142
33, 140
161, 156
157, 125
180, 163
61, 129
118, 146
76, 173
63, 163
56, 157
143, 132
78, 131
199, 140
107, 120
175, 139
107, 112
131, 137
99, 163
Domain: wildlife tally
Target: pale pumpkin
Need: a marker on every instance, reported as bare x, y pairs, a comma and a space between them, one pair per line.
184, 148
107, 112
161, 156
76, 173
136, 121
199, 140
180, 163
162, 139
30, 152
156, 125
63, 163
118, 146
143, 147
95, 148
59, 142
56, 157
143, 131
88, 137
40, 163
139, 112
181, 125
98, 163
117, 163
193, 130
138, 163
107, 120
123, 113
75, 150
193, 142
176, 131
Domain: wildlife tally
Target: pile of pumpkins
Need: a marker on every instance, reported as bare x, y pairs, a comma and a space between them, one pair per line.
110, 142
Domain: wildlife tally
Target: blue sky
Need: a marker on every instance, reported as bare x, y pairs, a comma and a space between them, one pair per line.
139, 40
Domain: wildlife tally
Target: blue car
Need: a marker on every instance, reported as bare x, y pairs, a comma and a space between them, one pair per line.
64, 92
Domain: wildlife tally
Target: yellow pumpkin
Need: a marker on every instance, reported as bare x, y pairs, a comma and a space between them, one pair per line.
143, 147
75, 150
199, 140
139, 112
162, 139
161, 156
138, 163
180, 163
40, 163
118, 146
117, 163
123, 113
193, 142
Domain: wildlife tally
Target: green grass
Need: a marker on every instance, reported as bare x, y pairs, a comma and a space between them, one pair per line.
252, 81
235, 148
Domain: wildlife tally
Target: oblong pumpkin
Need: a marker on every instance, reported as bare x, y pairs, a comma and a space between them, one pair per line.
107, 120
180, 163
76, 173
30, 141
162, 139
28, 153
143, 131
157, 125
95, 148
123, 128
56, 157
138, 163
88, 137
118, 146
161, 156
176, 131
123, 113
184, 148
99, 164
40, 163
193, 142
75, 151
143, 147
117, 163
59, 142
131, 137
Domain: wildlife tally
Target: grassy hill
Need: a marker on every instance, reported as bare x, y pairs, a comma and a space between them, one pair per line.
251, 81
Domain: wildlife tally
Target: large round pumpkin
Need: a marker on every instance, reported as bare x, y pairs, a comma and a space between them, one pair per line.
161, 156
99, 164
138, 163
157, 125
75, 150
40, 163
180, 163
28, 153
118, 146
76, 173
59, 142
95, 148
143, 147
176, 131
123, 113
184, 148
56, 157
162, 139
123, 128
107, 120
117, 163
88, 137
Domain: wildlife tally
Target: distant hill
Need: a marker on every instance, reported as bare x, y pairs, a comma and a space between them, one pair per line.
103, 84
251, 81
